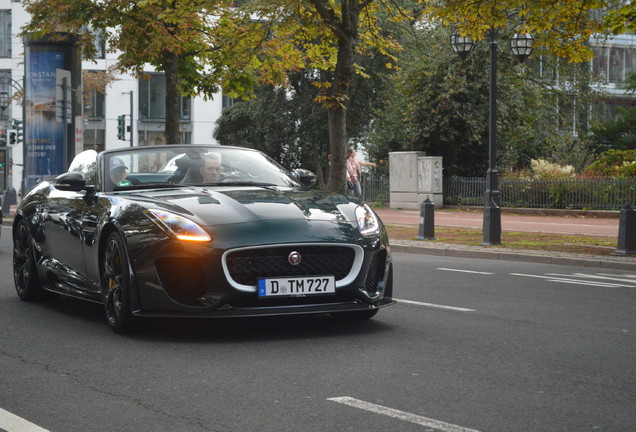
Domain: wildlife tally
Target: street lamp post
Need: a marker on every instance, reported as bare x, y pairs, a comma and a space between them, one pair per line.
521, 45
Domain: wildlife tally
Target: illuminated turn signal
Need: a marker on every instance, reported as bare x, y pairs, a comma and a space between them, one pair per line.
178, 226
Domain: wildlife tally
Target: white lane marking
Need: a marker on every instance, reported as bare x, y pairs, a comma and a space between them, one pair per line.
575, 281
400, 415
464, 271
437, 306
628, 276
596, 276
12, 423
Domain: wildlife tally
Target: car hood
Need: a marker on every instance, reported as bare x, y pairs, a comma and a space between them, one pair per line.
232, 205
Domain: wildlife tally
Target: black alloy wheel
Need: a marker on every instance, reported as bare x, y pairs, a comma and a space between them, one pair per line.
25, 273
116, 285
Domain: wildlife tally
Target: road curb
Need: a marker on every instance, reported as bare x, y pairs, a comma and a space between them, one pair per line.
460, 251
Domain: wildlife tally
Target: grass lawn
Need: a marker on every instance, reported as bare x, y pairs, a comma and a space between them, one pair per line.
593, 245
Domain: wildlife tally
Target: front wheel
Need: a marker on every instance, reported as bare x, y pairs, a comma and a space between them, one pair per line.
25, 274
116, 285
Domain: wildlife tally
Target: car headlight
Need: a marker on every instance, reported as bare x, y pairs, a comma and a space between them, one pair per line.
178, 226
368, 223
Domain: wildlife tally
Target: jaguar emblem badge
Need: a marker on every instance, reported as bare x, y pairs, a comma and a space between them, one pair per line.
294, 258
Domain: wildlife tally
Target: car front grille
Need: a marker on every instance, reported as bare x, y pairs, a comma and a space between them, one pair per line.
247, 265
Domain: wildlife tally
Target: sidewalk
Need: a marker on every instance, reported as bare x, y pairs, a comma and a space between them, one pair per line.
564, 222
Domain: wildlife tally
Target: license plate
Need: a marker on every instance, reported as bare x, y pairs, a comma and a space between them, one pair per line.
296, 287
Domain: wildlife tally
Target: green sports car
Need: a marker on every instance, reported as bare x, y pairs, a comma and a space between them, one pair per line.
199, 231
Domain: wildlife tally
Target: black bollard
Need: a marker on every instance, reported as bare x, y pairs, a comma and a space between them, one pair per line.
626, 232
427, 221
492, 224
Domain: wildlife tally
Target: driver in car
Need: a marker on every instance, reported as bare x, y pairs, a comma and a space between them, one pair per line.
118, 172
211, 169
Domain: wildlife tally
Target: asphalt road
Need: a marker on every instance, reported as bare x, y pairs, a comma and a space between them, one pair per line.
475, 345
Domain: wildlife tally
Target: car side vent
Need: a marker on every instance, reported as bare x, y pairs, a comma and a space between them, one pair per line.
375, 273
182, 278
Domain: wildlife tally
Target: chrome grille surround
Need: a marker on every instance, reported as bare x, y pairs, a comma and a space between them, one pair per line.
347, 279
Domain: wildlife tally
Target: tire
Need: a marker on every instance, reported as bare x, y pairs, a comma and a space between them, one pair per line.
25, 273
355, 315
115, 278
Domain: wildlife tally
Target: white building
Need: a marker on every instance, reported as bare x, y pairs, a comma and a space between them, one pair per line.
198, 116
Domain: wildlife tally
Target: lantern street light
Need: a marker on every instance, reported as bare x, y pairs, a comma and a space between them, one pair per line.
521, 45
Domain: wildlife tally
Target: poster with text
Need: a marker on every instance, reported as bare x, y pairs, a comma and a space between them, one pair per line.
44, 136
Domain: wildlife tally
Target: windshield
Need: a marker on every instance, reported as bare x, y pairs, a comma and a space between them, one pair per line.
171, 165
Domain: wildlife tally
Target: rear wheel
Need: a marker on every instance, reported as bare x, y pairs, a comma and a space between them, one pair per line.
25, 273
116, 285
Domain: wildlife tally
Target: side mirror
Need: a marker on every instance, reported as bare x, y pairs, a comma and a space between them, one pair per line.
70, 181
306, 177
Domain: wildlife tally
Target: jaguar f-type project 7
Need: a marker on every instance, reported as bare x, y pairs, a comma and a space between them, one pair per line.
199, 231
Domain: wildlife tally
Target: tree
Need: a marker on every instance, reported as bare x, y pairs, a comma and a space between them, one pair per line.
619, 134
438, 103
174, 36
329, 35
289, 126
320, 35
264, 123
563, 28
201, 43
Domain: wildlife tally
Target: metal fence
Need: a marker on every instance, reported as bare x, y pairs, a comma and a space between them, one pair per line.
591, 193
375, 189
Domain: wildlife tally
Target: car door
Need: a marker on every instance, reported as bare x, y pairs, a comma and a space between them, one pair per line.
63, 211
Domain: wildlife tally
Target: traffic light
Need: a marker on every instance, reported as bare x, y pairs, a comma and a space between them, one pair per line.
17, 125
121, 127
12, 136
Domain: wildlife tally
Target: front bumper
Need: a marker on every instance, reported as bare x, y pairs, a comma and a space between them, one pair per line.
168, 283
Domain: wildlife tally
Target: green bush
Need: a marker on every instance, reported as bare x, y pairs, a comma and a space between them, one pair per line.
614, 163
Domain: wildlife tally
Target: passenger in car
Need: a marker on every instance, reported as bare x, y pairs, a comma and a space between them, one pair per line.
211, 169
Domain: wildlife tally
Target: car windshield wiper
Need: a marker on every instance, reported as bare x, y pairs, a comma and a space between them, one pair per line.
148, 186
237, 183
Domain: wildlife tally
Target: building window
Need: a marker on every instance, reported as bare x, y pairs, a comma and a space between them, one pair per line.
599, 62
152, 99
6, 93
5, 33
614, 64
94, 97
630, 61
94, 137
227, 101
100, 44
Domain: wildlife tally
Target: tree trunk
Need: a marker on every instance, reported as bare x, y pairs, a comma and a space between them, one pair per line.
173, 96
338, 150
337, 115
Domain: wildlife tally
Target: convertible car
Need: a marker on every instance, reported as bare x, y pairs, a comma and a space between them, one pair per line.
198, 231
